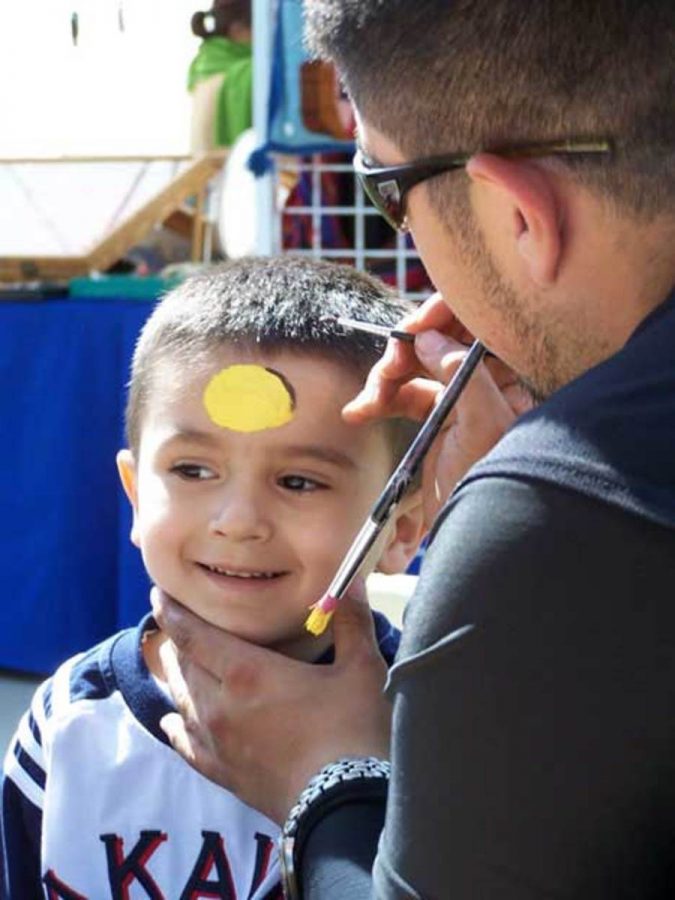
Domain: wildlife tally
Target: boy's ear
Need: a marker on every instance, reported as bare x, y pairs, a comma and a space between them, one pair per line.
126, 466
405, 535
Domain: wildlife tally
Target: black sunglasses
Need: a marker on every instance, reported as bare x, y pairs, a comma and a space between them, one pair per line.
387, 185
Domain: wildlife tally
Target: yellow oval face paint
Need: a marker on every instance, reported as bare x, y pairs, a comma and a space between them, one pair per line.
248, 398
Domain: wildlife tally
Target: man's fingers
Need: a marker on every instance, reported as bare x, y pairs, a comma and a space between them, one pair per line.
397, 366
435, 313
215, 651
394, 386
174, 678
194, 751
413, 400
187, 680
483, 406
484, 411
215, 654
439, 354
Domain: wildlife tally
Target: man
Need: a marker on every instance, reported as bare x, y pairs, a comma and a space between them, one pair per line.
533, 734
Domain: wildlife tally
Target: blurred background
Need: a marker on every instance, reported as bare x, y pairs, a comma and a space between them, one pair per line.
118, 90
140, 141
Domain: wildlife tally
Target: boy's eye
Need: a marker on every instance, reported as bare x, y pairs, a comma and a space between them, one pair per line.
300, 483
193, 471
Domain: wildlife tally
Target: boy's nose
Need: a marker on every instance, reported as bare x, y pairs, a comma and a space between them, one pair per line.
241, 517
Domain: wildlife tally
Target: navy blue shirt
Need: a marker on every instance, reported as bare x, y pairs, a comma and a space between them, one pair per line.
533, 746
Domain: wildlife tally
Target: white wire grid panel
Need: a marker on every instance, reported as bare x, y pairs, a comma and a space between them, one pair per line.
360, 246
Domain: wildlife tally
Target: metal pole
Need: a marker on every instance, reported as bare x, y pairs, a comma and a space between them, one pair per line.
263, 33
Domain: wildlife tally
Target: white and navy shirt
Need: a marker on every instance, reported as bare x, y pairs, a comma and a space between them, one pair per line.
96, 804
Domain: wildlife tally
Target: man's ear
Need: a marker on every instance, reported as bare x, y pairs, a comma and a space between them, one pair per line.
405, 533
126, 466
533, 211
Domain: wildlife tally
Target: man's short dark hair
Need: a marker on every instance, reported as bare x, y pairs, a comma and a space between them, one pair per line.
269, 304
438, 76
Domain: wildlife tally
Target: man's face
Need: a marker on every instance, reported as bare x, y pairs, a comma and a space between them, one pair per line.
464, 271
247, 529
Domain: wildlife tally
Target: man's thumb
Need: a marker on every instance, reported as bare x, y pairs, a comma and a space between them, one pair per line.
353, 626
439, 354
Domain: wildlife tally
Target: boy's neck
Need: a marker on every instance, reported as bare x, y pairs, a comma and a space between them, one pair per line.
152, 641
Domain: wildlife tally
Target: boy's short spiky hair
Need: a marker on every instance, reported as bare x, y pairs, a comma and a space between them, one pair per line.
443, 76
269, 304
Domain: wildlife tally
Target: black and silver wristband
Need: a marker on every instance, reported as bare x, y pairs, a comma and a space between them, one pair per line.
348, 779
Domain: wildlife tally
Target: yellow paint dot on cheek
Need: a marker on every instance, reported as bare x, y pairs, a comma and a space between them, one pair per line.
248, 398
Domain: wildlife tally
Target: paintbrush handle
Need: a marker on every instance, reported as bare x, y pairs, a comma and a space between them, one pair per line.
403, 474
354, 558
418, 449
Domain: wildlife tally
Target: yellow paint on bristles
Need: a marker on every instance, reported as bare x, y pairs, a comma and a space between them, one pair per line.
318, 620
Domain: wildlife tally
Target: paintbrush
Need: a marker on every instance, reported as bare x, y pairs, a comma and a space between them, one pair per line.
395, 488
379, 330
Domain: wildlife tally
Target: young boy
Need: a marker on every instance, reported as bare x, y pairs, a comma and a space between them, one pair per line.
247, 488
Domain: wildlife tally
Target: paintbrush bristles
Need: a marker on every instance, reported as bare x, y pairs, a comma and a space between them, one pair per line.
321, 614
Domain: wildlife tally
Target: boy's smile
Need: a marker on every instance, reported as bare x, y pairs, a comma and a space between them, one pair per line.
248, 529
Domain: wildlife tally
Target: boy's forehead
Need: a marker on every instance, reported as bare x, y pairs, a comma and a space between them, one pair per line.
298, 381
311, 387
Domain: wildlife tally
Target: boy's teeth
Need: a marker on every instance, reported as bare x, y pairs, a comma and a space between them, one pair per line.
220, 571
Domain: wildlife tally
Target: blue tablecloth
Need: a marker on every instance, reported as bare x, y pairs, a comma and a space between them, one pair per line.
69, 574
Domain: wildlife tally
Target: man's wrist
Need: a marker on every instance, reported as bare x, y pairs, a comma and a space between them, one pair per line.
341, 782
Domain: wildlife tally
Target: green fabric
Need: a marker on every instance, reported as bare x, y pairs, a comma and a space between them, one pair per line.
216, 56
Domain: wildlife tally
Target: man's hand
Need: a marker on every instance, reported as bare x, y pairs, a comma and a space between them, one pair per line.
261, 724
408, 380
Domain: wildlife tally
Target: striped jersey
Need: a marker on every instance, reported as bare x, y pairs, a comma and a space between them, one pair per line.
96, 804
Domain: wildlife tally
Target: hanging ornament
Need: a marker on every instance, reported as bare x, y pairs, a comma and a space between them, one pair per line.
74, 27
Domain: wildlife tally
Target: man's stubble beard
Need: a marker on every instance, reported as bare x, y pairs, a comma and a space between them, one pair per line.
547, 358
